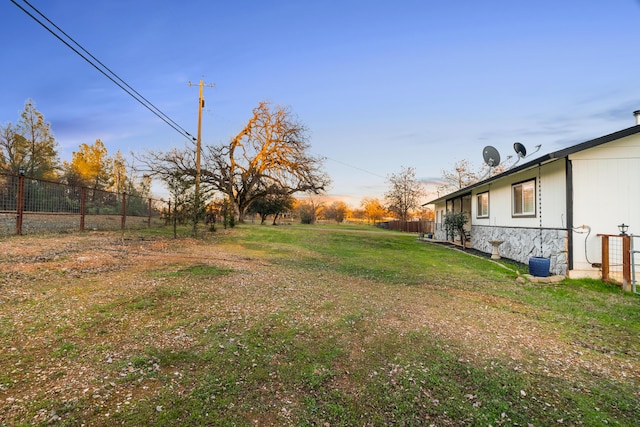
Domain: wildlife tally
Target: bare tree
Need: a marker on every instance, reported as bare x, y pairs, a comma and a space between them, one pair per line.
404, 193
178, 166
464, 174
307, 210
180, 192
461, 176
269, 155
167, 165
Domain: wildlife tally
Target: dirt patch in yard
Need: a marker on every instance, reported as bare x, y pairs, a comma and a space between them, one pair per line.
76, 310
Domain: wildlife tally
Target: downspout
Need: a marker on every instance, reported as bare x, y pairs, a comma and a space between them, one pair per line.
569, 210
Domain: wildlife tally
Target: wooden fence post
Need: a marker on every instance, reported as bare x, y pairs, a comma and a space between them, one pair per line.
124, 210
605, 257
83, 206
149, 216
20, 204
626, 263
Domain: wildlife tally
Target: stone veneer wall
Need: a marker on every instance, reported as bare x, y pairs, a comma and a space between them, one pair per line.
520, 244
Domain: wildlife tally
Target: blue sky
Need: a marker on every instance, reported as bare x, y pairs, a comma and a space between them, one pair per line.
381, 85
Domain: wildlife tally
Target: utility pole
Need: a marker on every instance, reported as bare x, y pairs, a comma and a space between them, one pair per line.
199, 139
198, 150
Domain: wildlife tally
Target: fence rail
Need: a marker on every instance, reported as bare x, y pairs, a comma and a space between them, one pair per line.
30, 205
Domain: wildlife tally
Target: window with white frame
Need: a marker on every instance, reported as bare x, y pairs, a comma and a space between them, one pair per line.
523, 200
482, 202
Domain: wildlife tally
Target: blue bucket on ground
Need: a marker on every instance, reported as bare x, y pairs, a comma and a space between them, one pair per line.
539, 266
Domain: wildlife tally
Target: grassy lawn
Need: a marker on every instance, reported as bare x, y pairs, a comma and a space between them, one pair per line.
303, 326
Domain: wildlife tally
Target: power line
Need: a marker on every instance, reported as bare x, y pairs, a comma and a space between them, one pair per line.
355, 167
105, 67
123, 85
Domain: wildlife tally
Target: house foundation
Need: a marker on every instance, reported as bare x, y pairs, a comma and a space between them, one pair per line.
520, 244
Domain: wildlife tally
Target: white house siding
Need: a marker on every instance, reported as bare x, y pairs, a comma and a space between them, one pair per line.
606, 192
524, 237
553, 186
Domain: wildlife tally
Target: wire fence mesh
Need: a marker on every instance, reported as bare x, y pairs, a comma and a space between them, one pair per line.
29, 205
616, 259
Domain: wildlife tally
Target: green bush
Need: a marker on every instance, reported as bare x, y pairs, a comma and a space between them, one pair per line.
454, 224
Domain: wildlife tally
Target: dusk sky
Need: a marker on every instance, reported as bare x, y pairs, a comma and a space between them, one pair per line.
381, 85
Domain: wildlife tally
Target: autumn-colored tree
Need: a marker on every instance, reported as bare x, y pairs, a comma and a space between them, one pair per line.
119, 181
90, 166
373, 209
29, 146
404, 193
425, 213
358, 214
336, 211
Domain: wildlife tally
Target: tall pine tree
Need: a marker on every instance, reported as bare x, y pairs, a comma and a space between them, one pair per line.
29, 146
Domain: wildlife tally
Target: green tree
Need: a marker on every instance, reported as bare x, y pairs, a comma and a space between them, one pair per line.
274, 203
29, 146
453, 223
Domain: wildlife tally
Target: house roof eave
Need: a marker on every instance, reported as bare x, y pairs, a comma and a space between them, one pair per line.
565, 152
467, 189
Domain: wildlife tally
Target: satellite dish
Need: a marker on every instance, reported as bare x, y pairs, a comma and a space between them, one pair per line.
491, 156
520, 150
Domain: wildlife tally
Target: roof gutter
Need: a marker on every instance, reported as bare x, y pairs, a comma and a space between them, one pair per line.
546, 158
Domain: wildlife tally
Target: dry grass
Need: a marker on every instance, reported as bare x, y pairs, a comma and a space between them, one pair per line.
82, 316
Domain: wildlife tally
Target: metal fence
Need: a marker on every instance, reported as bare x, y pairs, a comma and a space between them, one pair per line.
617, 262
29, 205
